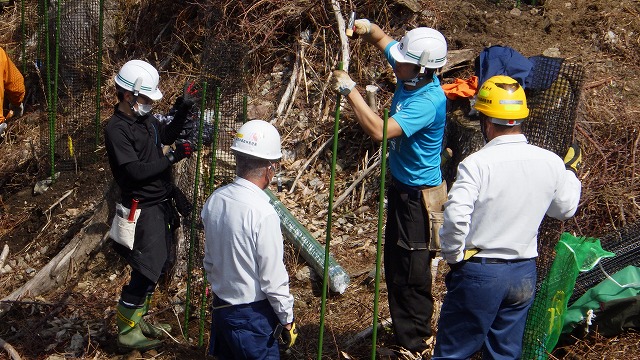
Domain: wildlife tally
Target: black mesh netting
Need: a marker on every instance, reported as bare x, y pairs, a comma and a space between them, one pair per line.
550, 125
222, 113
552, 96
71, 67
625, 243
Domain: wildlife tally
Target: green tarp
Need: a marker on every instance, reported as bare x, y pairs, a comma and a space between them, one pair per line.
615, 304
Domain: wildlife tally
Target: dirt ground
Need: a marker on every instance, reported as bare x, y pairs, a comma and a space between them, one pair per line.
77, 320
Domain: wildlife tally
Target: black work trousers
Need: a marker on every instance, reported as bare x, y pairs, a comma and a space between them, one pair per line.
408, 272
135, 293
152, 249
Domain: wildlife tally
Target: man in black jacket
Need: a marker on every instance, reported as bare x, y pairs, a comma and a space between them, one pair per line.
134, 141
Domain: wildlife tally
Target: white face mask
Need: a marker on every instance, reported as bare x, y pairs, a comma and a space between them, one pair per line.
142, 109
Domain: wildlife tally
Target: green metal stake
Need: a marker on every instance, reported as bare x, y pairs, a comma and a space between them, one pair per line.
192, 229
325, 275
203, 298
99, 74
383, 172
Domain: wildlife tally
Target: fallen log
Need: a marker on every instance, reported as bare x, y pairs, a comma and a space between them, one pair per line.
75, 254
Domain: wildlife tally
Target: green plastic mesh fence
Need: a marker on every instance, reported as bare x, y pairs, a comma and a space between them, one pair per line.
72, 30
625, 243
30, 50
544, 327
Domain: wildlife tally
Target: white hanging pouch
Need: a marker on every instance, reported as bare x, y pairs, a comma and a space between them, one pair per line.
123, 230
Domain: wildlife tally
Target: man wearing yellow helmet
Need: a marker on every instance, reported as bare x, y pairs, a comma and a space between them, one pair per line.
495, 207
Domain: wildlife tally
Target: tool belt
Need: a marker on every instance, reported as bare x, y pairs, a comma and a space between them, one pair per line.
434, 199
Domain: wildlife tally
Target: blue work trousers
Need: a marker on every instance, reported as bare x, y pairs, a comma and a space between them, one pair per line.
243, 332
485, 308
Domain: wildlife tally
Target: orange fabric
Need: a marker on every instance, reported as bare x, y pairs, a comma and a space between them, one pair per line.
11, 84
461, 88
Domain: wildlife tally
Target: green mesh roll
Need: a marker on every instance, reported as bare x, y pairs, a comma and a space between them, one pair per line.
312, 251
546, 316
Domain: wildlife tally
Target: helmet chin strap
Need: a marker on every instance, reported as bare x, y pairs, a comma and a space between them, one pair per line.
424, 60
136, 91
416, 79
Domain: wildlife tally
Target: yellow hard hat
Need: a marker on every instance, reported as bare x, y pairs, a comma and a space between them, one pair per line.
502, 99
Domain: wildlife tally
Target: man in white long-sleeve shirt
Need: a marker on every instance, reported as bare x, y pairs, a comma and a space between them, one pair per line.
252, 306
495, 207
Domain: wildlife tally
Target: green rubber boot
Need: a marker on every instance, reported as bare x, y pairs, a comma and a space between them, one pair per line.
130, 336
155, 331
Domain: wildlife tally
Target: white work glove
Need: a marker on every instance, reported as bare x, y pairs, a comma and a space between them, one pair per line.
342, 83
18, 110
362, 27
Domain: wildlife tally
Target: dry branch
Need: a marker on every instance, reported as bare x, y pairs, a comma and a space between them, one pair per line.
12, 352
306, 164
60, 200
344, 42
355, 183
3, 256
291, 87
62, 266
596, 83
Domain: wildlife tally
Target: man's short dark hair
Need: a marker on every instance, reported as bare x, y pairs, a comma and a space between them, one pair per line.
249, 166
120, 92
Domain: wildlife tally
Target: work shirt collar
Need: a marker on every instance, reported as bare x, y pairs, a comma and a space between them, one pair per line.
251, 186
506, 139
129, 119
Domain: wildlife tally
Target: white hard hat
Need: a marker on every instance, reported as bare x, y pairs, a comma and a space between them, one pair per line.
139, 77
258, 138
422, 46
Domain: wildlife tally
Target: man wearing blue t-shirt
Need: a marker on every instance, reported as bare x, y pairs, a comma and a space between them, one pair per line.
415, 131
